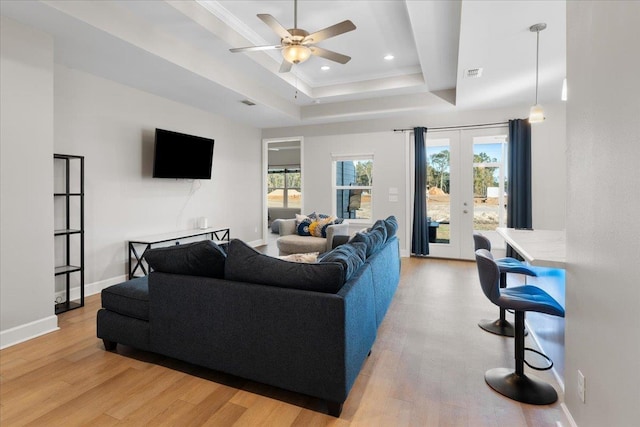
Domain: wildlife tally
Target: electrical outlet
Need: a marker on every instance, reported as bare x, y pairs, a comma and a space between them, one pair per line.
255, 229
581, 385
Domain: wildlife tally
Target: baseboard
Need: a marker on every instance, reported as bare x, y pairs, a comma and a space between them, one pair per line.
404, 253
28, 331
572, 422
91, 288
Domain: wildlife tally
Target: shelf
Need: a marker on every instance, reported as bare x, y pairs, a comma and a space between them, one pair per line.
66, 232
72, 197
63, 269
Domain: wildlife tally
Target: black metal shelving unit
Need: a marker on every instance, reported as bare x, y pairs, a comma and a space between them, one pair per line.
72, 236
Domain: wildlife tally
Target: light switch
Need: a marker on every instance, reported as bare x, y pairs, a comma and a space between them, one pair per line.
393, 190
393, 198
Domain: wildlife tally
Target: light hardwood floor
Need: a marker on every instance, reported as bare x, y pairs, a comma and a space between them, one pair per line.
426, 369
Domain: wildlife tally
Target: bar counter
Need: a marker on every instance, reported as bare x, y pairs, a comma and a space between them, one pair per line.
544, 248
546, 251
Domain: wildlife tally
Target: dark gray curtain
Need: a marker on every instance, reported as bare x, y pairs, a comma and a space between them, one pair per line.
420, 239
519, 181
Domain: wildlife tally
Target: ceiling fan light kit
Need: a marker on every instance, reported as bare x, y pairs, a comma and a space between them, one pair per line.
536, 114
296, 54
298, 45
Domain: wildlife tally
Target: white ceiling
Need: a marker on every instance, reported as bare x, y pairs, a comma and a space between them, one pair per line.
180, 50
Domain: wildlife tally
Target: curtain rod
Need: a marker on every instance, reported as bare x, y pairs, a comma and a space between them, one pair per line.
457, 127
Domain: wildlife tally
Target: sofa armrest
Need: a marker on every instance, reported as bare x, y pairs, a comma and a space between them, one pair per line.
336, 230
287, 226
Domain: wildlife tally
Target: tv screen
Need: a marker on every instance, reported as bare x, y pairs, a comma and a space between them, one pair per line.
178, 155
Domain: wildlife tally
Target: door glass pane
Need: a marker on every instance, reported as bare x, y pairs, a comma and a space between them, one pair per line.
293, 188
275, 189
489, 179
438, 190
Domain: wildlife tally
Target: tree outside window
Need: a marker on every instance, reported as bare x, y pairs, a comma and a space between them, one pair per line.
283, 188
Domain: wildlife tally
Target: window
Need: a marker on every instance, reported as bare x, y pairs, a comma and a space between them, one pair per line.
353, 186
283, 188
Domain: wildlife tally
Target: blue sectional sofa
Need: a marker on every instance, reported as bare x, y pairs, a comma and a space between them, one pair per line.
307, 328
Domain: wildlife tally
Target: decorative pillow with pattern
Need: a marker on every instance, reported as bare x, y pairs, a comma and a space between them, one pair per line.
323, 224
304, 227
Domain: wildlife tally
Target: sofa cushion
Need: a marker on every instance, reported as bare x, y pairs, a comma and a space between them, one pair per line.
245, 264
351, 255
294, 244
391, 223
374, 239
130, 298
203, 258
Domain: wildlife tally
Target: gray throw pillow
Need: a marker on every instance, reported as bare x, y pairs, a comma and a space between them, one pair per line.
245, 264
203, 258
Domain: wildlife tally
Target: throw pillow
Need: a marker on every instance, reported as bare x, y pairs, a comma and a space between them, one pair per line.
203, 258
320, 227
245, 264
300, 218
308, 258
350, 255
304, 227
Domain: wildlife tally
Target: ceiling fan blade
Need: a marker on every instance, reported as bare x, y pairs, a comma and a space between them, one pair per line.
274, 25
285, 67
255, 48
329, 54
332, 31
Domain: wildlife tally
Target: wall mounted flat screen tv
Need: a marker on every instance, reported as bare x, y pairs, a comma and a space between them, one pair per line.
178, 155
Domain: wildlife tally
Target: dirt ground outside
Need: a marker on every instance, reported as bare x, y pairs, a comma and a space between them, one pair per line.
485, 214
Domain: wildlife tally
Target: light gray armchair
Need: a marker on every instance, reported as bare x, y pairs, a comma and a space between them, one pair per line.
290, 242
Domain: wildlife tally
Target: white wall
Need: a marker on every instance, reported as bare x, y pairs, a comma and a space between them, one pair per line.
113, 127
47, 108
391, 169
388, 170
26, 189
549, 170
603, 229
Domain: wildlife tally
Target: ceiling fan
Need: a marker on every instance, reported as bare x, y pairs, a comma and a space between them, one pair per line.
298, 45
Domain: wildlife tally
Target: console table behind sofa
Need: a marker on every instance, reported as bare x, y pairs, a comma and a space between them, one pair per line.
219, 236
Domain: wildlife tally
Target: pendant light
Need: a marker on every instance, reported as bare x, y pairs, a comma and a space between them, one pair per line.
536, 115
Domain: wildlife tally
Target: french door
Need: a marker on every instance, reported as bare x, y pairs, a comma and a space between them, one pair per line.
466, 188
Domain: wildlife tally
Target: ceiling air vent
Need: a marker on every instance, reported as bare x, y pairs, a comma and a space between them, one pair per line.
247, 102
473, 73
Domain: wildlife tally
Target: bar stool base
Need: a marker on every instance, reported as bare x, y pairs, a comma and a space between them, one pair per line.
498, 327
521, 388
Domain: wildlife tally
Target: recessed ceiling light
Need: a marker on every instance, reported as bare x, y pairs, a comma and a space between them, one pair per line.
325, 68
388, 57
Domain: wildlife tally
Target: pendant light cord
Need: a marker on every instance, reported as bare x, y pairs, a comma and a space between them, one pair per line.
537, 61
